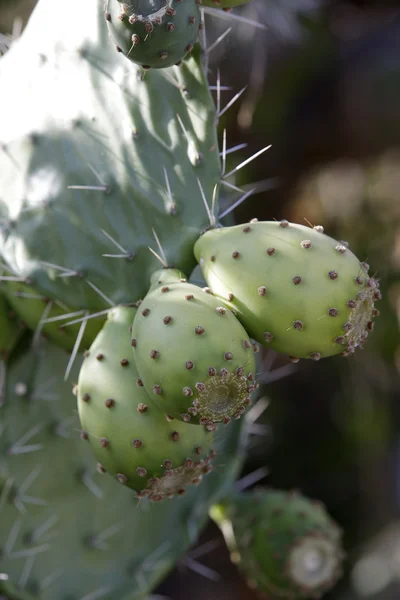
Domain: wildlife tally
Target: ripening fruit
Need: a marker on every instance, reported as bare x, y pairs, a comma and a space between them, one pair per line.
293, 288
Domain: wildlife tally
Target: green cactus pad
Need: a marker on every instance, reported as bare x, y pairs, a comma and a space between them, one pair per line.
286, 545
293, 288
11, 328
153, 33
38, 312
132, 439
101, 160
193, 356
66, 529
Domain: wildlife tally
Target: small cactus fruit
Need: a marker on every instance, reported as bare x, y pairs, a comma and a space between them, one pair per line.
153, 33
194, 357
286, 545
132, 439
50, 317
293, 288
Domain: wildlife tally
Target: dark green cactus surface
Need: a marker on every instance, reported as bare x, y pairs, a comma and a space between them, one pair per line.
192, 354
294, 288
286, 545
11, 328
140, 445
101, 160
47, 317
66, 529
153, 33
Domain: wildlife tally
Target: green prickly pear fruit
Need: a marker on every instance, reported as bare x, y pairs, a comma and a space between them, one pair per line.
286, 545
194, 357
293, 288
132, 439
10, 329
40, 313
154, 33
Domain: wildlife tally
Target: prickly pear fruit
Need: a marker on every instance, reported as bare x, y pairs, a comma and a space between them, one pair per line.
286, 545
225, 4
11, 329
292, 287
48, 317
194, 357
153, 33
133, 440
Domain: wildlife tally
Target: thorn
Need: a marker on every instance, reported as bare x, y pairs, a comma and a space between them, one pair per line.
211, 217
38, 330
44, 528
96, 174
62, 317
150, 561
234, 149
189, 141
223, 153
248, 480
29, 480
114, 242
75, 348
257, 410
160, 247
30, 551
87, 317
231, 186
205, 548
100, 293
92, 486
96, 594
12, 537
26, 571
19, 448
247, 161
278, 374
220, 14
218, 108
236, 204
218, 40
98, 541
202, 570
231, 102
93, 188
49, 579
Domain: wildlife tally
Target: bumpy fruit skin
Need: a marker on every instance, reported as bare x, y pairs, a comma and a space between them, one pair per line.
293, 288
132, 439
194, 357
154, 33
37, 311
286, 545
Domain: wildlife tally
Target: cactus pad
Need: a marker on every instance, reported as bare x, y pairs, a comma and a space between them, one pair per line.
154, 33
193, 356
293, 288
286, 545
89, 176
133, 440
47, 316
225, 4
66, 529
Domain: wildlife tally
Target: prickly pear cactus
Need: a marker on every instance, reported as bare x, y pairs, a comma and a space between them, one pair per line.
66, 529
154, 33
286, 545
90, 176
192, 354
49, 317
140, 445
294, 288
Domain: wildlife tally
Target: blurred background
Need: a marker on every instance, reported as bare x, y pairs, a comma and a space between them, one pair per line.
323, 87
